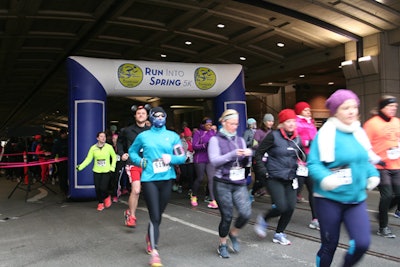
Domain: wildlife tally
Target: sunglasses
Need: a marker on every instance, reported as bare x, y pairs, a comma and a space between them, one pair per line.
158, 115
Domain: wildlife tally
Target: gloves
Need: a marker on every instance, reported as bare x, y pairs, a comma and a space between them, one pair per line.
143, 163
373, 182
330, 182
166, 158
381, 163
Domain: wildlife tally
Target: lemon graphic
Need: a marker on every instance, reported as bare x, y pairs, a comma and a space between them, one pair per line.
130, 75
205, 78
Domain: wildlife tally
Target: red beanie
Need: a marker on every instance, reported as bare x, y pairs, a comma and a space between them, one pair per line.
187, 132
286, 114
299, 107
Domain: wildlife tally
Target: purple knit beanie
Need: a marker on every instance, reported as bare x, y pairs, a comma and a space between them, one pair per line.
338, 98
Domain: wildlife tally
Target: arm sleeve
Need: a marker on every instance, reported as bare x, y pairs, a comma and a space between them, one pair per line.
263, 147
87, 160
133, 151
214, 153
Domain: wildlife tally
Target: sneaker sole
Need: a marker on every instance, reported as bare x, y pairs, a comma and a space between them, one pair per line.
387, 236
281, 243
313, 227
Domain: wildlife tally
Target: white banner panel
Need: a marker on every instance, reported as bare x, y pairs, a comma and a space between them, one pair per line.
168, 79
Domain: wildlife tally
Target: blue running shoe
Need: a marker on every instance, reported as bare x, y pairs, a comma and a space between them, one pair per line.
280, 238
223, 251
260, 227
397, 214
235, 243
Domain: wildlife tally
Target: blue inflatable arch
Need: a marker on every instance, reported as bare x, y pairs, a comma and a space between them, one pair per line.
91, 80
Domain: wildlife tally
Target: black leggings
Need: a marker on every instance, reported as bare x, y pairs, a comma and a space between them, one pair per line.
389, 189
156, 194
284, 197
309, 184
101, 183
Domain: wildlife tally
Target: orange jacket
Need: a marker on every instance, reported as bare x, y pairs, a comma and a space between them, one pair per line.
384, 136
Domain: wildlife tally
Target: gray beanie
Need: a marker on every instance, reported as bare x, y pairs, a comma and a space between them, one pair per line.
268, 117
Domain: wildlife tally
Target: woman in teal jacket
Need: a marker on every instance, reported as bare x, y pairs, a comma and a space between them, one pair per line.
161, 150
338, 164
101, 153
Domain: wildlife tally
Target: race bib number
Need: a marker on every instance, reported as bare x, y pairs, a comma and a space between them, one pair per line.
236, 173
159, 166
393, 153
101, 162
344, 175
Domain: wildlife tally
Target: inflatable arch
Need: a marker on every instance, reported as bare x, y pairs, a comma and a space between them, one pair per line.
91, 80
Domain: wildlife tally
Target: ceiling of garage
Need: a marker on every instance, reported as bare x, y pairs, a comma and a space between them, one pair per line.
37, 36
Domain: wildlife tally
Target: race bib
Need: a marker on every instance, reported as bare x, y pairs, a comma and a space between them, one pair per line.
344, 175
236, 173
393, 153
101, 162
302, 170
159, 166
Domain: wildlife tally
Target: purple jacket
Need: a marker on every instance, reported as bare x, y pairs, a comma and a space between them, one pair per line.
200, 145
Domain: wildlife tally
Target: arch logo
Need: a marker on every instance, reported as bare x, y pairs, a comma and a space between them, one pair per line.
130, 75
205, 78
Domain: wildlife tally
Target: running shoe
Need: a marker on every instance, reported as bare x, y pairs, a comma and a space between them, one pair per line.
223, 251
107, 202
115, 199
148, 245
260, 227
155, 260
397, 214
385, 232
235, 243
280, 238
130, 221
207, 199
213, 205
314, 224
180, 189
100, 206
193, 201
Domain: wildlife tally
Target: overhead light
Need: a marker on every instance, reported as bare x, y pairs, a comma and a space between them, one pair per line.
368, 65
302, 75
366, 58
188, 43
242, 58
163, 55
220, 25
331, 83
280, 44
114, 121
347, 63
349, 68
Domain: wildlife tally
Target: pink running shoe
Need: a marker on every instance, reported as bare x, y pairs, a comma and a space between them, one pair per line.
155, 260
213, 205
107, 202
193, 201
130, 221
100, 206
